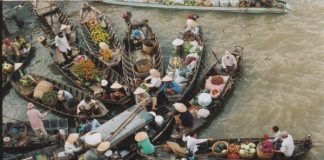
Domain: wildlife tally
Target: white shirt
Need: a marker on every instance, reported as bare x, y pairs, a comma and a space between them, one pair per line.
287, 146
155, 82
230, 61
192, 143
87, 106
62, 44
276, 137
70, 148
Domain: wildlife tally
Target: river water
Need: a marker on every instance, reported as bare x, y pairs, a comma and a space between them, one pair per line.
282, 79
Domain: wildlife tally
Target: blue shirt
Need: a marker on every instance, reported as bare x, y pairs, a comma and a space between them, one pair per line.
173, 85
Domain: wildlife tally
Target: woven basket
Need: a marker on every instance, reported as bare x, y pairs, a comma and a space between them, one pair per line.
218, 155
41, 88
148, 46
143, 65
262, 155
246, 156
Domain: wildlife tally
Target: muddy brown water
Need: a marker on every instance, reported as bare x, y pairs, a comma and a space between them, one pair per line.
282, 79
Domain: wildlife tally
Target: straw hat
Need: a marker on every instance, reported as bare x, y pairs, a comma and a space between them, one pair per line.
30, 105
139, 90
103, 146
6, 139
116, 85
180, 107
41, 39
72, 138
155, 73
17, 66
177, 42
103, 45
284, 134
104, 82
166, 78
63, 27
92, 139
60, 95
217, 80
140, 136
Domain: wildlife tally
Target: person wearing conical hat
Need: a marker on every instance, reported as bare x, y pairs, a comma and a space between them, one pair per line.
118, 91
169, 86
185, 117
66, 30
36, 122
69, 146
105, 51
140, 96
229, 62
144, 143
153, 82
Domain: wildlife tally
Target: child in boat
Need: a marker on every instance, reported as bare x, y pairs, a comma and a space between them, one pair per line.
276, 134
170, 86
185, 118
118, 92
137, 37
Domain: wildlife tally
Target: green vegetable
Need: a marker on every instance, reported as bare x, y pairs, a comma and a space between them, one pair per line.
186, 47
50, 98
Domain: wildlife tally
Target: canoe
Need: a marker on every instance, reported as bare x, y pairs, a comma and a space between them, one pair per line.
113, 76
136, 64
6, 77
217, 104
120, 130
27, 93
165, 152
30, 141
172, 67
93, 47
285, 9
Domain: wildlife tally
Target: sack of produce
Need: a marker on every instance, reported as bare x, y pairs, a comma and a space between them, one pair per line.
41, 88
262, 155
235, 3
224, 3
233, 151
247, 150
220, 149
215, 3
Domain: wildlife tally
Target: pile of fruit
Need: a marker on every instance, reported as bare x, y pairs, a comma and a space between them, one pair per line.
50, 98
106, 54
220, 148
247, 150
233, 151
86, 71
98, 34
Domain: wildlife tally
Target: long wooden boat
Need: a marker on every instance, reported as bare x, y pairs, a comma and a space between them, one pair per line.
136, 64
60, 17
23, 138
257, 10
6, 77
27, 93
164, 152
190, 82
120, 130
217, 104
113, 41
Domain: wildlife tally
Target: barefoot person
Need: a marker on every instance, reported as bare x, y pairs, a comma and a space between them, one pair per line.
35, 119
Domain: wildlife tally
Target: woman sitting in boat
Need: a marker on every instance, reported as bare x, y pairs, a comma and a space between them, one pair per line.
63, 96
140, 96
215, 84
10, 52
87, 106
169, 86
136, 38
105, 89
22, 45
118, 92
69, 145
153, 82
192, 24
185, 118
105, 51
229, 62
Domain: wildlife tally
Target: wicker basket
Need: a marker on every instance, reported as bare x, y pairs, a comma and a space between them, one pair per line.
143, 65
148, 46
262, 155
218, 155
246, 156
41, 88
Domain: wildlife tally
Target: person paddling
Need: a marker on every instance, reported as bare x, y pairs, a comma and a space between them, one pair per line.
35, 119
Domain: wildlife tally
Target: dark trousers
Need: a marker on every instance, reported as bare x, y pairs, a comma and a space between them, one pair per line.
65, 55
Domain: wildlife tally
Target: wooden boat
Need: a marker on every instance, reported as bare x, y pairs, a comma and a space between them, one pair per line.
284, 9
60, 16
165, 152
27, 93
173, 66
17, 66
217, 104
23, 138
120, 130
113, 42
136, 63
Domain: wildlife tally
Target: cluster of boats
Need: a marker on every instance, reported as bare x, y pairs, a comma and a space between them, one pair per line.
122, 118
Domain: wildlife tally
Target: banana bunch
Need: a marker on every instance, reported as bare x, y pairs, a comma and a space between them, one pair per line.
98, 34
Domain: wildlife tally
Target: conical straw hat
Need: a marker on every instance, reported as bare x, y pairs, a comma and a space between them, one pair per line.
103, 146
180, 107
140, 136
139, 90
116, 85
72, 138
155, 73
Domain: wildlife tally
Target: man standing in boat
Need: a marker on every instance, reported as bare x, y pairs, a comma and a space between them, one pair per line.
35, 119
63, 47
